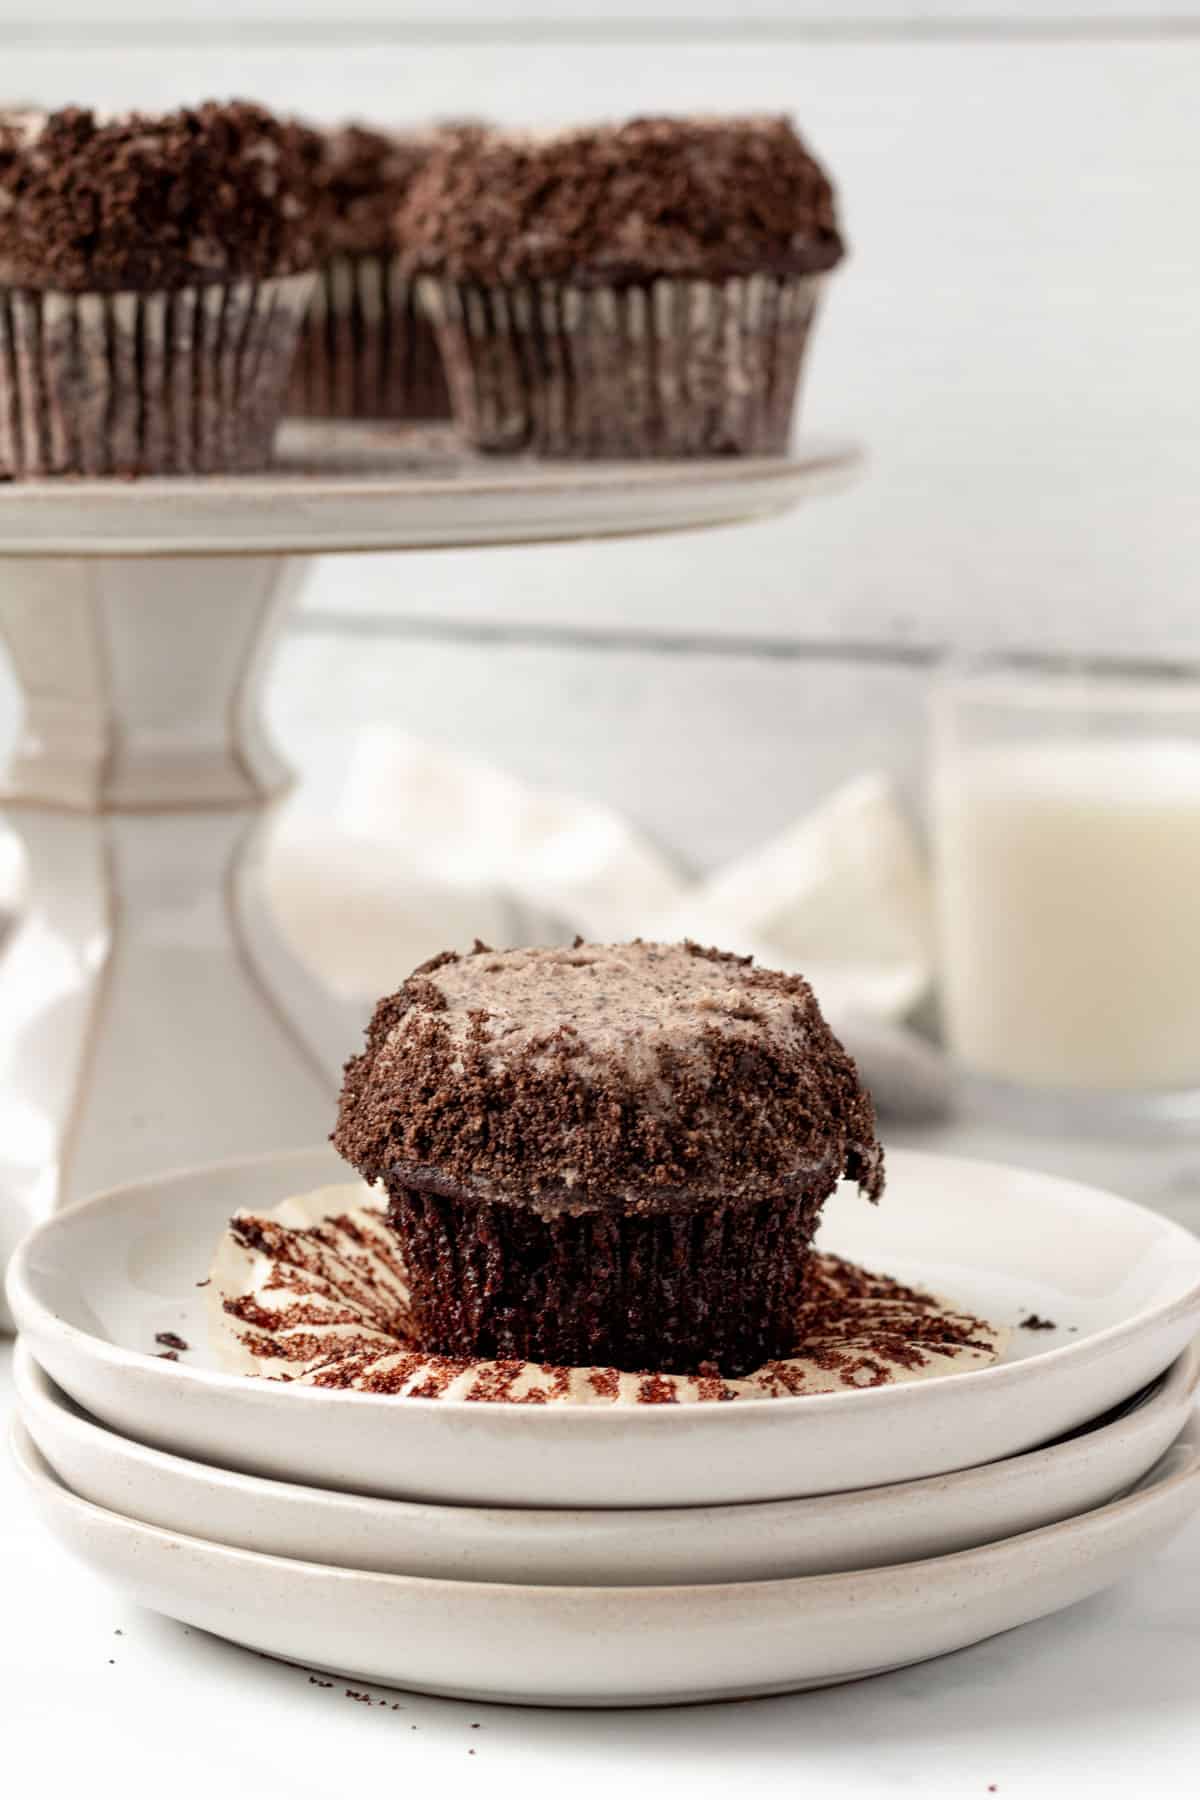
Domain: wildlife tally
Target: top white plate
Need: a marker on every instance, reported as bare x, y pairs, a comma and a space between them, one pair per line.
93, 1286
369, 487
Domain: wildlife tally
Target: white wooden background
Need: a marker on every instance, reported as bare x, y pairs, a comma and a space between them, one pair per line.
1014, 340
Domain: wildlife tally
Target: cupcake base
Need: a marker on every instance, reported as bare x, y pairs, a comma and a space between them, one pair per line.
366, 349
314, 1292
677, 1292
187, 382
669, 368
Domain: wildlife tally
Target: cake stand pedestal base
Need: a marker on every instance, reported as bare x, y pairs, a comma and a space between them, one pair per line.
142, 1023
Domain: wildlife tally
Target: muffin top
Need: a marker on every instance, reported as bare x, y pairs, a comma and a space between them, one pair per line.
135, 202
360, 178
627, 1077
706, 198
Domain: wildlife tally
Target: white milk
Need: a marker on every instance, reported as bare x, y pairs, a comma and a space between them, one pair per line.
1069, 902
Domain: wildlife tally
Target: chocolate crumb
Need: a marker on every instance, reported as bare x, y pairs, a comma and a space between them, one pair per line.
314, 1681
1035, 1323
358, 179
172, 1340
205, 1282
168, 1355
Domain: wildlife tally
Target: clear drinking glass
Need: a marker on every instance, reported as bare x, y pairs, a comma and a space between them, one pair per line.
1065, 802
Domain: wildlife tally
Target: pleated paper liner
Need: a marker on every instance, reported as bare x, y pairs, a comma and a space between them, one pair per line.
367, 350
668, 368
315, 1292
718, 1286
185, 382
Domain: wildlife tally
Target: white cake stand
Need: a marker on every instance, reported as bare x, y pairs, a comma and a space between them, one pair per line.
150, 1016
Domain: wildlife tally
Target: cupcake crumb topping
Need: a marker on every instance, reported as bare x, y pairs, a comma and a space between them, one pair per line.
707, 198
641, 1076
359, 180
143, 203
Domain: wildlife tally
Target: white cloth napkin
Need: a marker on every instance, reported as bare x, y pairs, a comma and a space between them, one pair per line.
430, 850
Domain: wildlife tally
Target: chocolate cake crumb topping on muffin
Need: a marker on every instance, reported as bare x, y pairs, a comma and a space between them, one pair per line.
642, 1077
708, 198
360, 178
207, 194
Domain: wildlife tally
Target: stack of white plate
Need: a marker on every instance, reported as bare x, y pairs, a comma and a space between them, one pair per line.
608, 1556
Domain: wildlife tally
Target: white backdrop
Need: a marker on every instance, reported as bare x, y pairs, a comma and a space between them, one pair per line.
1014, 340
505, 16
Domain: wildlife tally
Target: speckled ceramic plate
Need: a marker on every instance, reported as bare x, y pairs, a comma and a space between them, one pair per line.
93, 1286
651, 1547
619, 1646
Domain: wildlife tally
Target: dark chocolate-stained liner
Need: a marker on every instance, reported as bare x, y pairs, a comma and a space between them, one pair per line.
210, 348
27, 444
232, 328
173, 383
366, 349
340, 335
11, 427
88, 422
265, 383
367, 313
670, 367
554, 370
664, 1291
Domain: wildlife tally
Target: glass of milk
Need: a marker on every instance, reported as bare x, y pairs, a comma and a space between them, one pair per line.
1066, 829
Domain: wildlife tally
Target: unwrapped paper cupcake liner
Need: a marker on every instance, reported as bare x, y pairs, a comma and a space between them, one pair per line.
183, 382
367, 349
672, 367
716, 1286
315, 1292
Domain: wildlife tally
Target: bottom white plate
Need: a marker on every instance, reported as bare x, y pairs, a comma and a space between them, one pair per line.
608, 1646
653, 1546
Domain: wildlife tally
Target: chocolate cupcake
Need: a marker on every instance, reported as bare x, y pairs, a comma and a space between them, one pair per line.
631, 291
366, 351
153, 274
613, 1154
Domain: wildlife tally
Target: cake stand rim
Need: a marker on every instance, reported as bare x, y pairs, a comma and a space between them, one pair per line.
533, 503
